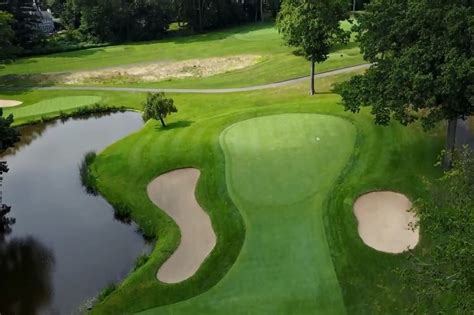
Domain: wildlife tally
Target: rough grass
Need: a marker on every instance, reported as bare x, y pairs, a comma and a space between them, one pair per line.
87, 179
278, 61
393, 157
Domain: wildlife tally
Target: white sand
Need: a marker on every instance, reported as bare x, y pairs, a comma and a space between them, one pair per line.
384, 221
173, 192
9, 103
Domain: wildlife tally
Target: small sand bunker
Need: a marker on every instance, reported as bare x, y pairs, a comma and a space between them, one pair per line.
385, 222
155, 72
174, 193
9, 103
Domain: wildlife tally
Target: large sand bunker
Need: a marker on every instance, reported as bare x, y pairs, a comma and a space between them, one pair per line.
9, 103
385, 223
174, 193
161, 71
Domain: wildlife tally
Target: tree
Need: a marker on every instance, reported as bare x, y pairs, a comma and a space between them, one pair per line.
157, 106
122, 20
313, 26
8, 137
7, 37
26, 22
442, 274
422, 63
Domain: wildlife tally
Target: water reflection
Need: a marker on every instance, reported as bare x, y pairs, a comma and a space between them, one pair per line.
57, 221
25, 276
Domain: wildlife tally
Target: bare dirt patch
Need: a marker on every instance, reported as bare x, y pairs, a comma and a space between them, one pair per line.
161, 71
385, 222
174, 193
9, 103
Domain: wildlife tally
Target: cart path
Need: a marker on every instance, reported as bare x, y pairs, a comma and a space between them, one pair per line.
198, 91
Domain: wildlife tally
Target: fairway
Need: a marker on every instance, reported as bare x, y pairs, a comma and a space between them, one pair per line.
52, 105
285, 264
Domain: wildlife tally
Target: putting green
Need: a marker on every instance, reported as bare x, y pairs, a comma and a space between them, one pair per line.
54, 105
279, 171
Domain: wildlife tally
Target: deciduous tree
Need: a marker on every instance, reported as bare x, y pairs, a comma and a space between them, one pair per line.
313, 26
157, 107
422, 63
7, 37
442, 274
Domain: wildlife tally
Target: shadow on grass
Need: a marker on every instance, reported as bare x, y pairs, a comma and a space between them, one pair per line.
175, 125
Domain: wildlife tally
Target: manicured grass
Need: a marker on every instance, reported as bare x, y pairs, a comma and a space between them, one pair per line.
278, 62
278, 175
52, 105
393, 157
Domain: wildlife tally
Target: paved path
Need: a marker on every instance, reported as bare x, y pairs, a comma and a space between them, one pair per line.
203, 91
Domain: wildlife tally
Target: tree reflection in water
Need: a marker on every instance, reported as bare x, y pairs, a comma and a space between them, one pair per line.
25, 273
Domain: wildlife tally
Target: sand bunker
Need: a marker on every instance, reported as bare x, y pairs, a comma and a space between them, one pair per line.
174, 193
9, 103
384, 221
161, 71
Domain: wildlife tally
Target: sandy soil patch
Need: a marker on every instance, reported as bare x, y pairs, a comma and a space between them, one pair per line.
385, 222
174, 193
155, 72
9, 103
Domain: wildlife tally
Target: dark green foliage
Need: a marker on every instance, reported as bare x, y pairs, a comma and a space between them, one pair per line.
87, 179
118, 21
140, 261
443, 275
108, 290
423, 65
7, 37
313, 27
84, 112
8, 135
122, 212
26, 22
157, 107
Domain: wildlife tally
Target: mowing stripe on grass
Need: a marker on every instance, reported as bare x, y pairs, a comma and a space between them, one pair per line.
279, 170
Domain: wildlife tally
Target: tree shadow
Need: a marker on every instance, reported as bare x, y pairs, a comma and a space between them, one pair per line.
175, 125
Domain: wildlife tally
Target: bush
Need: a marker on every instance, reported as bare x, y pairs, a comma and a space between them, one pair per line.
87, 179
108, 290
122, 212
141, 260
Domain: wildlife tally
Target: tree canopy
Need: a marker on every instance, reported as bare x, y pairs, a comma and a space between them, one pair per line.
25, 23
7, 37
313, 27
158, 107
422, 62
441, 275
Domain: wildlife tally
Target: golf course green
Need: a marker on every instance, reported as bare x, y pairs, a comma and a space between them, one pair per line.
279, 174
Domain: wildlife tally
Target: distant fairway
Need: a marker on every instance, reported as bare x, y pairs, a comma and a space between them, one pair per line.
279, 174
277, 61
53, 105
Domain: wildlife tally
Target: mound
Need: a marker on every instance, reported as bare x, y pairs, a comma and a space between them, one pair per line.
9, 103
174, 193
385, 222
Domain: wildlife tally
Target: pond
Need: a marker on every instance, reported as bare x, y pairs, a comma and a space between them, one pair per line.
66, 245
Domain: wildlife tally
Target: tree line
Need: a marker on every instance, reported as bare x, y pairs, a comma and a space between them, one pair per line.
115, 21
